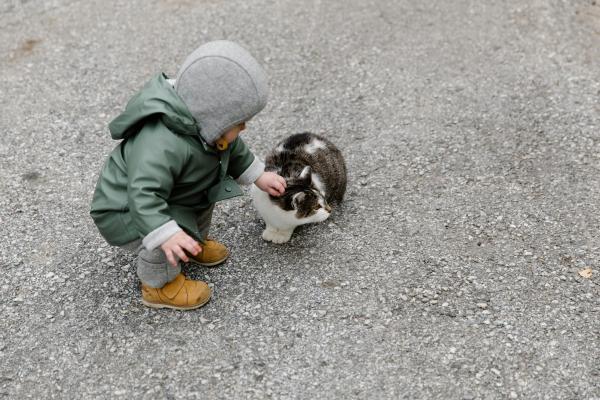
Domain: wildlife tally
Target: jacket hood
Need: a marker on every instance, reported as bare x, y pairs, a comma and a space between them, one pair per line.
222, 86
157, 99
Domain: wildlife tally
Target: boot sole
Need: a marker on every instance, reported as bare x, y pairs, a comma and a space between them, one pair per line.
160, 305
212, 264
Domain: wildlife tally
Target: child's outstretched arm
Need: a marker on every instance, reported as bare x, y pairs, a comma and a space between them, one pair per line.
248, 169
271, 183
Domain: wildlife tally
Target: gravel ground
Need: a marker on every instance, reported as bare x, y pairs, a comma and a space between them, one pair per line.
452, 271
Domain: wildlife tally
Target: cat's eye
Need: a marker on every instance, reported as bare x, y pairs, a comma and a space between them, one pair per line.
318, 206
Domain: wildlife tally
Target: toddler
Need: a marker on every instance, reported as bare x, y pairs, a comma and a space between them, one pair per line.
180, 153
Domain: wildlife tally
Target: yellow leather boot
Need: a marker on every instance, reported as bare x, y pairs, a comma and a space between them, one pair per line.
213, 253
179, 294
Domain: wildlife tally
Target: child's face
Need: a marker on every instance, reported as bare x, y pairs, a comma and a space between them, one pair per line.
234, 132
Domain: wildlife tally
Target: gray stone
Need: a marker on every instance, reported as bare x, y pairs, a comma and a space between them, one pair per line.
470, 131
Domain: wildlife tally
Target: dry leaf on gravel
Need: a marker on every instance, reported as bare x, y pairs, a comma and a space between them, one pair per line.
586, 272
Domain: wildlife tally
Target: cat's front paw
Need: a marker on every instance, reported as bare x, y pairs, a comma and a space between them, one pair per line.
276, 235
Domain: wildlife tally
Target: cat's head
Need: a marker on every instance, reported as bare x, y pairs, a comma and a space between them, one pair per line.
303, 198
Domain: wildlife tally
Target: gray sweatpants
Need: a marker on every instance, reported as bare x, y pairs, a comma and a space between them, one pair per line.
153, 269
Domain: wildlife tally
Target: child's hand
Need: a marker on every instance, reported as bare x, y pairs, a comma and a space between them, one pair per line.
176, 245
271, 183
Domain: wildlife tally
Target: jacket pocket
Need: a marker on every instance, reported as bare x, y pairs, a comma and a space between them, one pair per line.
226, 189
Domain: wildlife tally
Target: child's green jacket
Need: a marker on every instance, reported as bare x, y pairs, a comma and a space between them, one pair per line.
163, 172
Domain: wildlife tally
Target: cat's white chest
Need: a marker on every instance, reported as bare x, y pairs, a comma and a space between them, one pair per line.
280, 224
273, 215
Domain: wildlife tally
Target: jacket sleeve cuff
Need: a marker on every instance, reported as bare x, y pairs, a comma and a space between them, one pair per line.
251, 173
160, 235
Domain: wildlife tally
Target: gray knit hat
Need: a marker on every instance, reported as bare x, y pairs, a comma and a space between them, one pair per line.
222, 85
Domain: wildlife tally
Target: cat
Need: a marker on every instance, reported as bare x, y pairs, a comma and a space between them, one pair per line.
315, 174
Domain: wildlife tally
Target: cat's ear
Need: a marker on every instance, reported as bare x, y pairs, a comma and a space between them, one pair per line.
297, 199
305, 175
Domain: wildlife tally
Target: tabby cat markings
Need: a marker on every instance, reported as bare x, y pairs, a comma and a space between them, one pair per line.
315, 174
